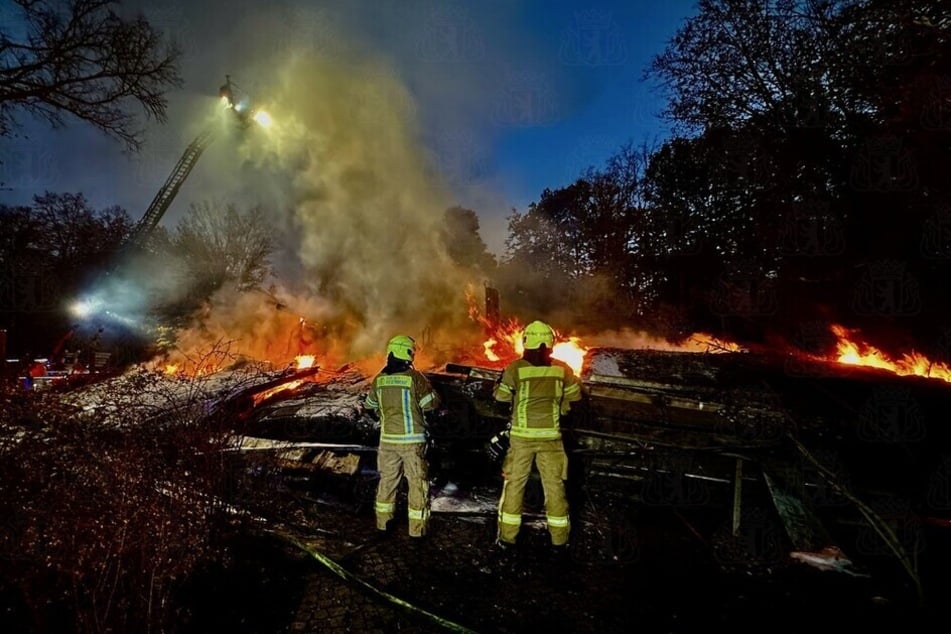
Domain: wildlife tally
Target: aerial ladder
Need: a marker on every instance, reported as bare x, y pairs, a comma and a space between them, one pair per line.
163, 199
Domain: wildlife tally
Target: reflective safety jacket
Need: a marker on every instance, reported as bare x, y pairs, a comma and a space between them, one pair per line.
401, 398
539, 394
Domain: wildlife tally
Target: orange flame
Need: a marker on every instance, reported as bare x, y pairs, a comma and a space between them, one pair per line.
911, 363
504, 343
571, 352
305, 361
266, 394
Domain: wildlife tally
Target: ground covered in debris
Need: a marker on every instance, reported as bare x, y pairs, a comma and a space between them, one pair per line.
325, 568
253, 508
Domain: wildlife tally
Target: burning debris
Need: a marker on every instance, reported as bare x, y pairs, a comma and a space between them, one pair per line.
733, 446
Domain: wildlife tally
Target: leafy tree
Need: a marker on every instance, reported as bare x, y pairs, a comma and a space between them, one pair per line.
80, 58
580, 240
819, 139
460, 233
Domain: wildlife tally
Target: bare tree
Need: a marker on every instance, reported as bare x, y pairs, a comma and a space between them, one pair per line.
220, 245
81, 58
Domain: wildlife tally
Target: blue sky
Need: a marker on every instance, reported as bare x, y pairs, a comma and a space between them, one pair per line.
512, 97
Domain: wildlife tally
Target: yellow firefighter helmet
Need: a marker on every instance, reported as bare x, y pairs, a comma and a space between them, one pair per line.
402, 347
538, 333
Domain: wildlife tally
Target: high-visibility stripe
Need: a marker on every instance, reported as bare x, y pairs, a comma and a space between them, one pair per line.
541, 372
404, 384
418, 514
558, 521
403, 439
384, 507
527, 376
510, 519
426, 400
407, 413
536, 433
572, 391
503, 392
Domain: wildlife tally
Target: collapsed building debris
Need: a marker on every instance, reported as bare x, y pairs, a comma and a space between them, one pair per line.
767, 461
825, 445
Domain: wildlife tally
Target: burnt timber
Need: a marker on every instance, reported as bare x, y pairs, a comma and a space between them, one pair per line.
840, 455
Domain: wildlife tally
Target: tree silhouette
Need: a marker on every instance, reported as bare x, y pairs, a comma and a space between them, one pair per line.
47, 252
219, 245
820, 128
80, 58
460, 233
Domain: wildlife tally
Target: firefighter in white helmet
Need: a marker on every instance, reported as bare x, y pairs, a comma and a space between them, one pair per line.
541, 390
400, 394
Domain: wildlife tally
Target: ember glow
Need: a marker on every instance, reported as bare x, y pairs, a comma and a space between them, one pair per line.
305, 361
852, 352
260, 397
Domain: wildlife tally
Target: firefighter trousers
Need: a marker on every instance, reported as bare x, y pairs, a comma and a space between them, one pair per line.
393, 462
552, 462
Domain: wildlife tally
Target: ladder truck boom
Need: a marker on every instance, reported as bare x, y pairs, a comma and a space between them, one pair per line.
234, 100
163, 199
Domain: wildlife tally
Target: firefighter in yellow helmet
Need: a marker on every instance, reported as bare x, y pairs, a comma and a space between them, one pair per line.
541, 390
400, 394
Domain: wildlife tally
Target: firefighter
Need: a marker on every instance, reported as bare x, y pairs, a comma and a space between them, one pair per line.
541, 390
400, 394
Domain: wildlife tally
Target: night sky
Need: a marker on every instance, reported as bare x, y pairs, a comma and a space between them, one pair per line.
508, 98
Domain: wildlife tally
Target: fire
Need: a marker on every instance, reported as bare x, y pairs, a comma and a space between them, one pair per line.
304, 361
571, 352
171, 368
504, 343
911, 363
266, 394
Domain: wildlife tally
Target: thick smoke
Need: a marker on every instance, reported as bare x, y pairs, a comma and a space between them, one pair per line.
361, 232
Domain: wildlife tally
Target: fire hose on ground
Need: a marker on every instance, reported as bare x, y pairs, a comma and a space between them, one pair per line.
349, 577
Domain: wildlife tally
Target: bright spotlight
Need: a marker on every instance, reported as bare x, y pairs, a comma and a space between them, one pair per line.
80, 309
263, 119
